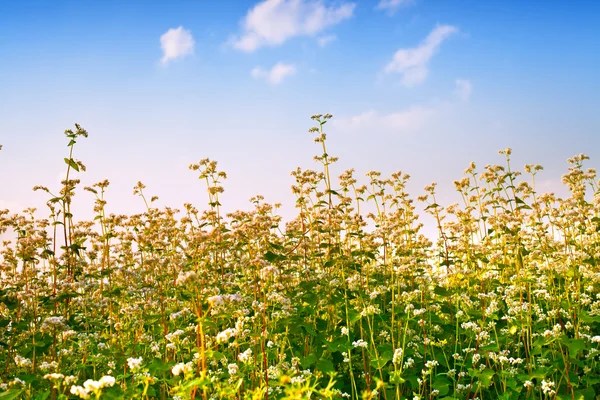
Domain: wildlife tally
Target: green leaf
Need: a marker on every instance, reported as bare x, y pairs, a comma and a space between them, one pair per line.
442, 384
270, 256
71, 163
308, 360
434, 205
585, 394
325, 365
575, 346
42, 396
396, 378
309, 329
379, 362
11, 394
485, 377
441, 291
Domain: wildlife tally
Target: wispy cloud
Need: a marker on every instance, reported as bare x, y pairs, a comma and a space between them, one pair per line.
325, 40
272, 22
276, 74
176, 43
413, 63
409, 120
391, 6
463, 89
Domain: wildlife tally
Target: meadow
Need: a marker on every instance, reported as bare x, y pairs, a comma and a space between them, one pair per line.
346, 300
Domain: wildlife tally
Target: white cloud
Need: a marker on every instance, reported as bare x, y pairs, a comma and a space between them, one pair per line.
393, 5
409, 120
412, 63
176, 43
325, 40
276, 74
463, 89
272, 22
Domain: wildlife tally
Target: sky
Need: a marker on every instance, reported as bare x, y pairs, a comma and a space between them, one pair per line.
420, 86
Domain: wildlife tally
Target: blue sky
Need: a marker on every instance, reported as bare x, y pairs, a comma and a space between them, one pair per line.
424, 87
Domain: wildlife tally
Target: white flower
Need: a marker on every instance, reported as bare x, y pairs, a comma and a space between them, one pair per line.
134, 363
215, 301
54, 376
91, 385
345, 331
174, 336
548, 388
232, 368
360, 343
397, 356
225, 335
22, 361
80, 391
245, 356
268, 271
177, 369
181, 367
107, 380
185, 277
346, 358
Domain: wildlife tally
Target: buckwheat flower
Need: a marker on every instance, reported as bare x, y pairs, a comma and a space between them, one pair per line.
45, 366
397, 356
528, 384
54, 376
18, 381
181, 367
134, 363
185, 277
22, 361
177, 369
370, 310
360, 343
548, 388
232, 369
107, 381
246, 356
225, 335
595, 339
54, 323
174, 336
346, 358
268, 272
91, 385
80, 391
215, 301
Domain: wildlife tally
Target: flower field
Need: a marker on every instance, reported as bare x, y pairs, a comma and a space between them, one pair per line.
346, 300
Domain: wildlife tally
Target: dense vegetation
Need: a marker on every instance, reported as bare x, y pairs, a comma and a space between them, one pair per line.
347, 300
